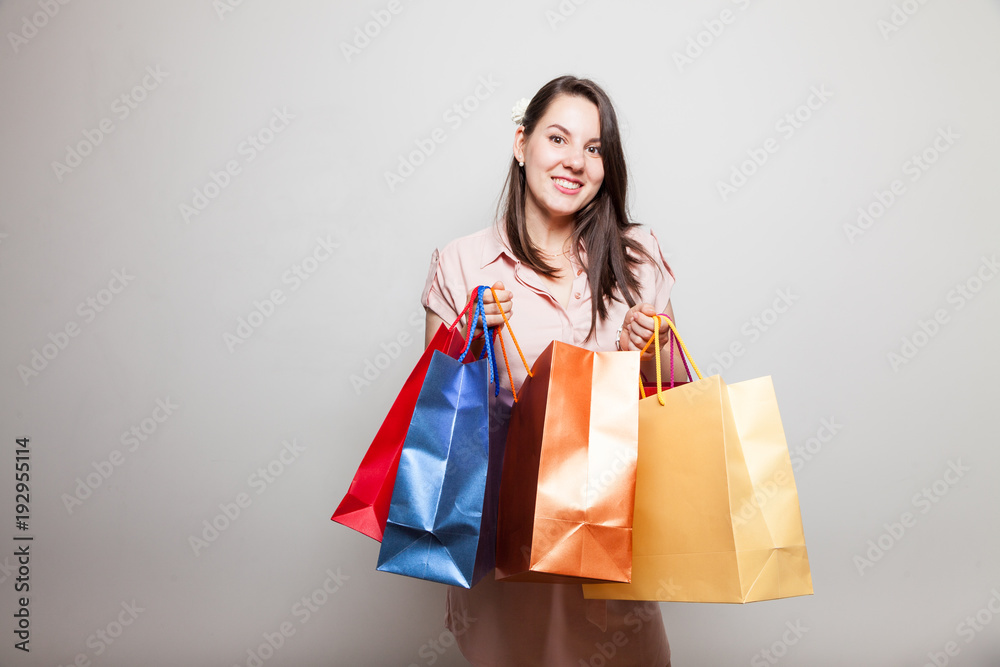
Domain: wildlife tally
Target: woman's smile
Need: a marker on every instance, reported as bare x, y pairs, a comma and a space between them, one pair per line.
567, 186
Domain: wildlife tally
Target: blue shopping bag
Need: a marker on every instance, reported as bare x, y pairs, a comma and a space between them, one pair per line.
443, 513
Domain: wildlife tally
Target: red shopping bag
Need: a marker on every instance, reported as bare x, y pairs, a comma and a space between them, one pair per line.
365, 508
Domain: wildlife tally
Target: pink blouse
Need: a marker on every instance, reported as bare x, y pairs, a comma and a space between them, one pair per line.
505, 624
485, 257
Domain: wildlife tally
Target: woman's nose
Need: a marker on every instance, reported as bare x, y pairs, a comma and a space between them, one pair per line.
574, 160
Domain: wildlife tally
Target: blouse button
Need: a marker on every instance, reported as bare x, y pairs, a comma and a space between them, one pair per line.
579, 272
577, 295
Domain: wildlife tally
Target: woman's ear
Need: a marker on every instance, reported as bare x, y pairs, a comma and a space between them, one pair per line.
519, 140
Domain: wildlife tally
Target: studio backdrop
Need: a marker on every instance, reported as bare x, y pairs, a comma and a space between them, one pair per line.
217, 217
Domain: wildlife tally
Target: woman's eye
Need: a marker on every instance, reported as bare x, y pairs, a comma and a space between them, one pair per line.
596, 150
556, 137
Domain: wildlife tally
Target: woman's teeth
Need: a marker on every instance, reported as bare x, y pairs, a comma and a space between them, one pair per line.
569, 185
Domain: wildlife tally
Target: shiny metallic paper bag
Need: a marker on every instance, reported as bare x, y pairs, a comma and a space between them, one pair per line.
365, 506
568, 482
717, 514
442, 518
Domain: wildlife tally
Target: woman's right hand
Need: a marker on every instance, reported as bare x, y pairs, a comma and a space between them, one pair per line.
491, 307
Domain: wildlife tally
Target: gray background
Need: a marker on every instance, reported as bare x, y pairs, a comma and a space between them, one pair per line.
62, 237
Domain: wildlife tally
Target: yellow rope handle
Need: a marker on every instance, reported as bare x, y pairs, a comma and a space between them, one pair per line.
656, 337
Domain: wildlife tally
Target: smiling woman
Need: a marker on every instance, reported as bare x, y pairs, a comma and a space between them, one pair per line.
582, 273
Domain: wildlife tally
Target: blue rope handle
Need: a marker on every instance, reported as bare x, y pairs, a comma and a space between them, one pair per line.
488, 352
488, 346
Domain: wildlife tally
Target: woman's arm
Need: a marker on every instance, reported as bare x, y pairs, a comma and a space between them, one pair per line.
433, 322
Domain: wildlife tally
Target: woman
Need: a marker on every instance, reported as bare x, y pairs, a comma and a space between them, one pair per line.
581, 273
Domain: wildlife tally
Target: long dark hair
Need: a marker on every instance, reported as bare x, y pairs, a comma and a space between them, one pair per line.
601, 224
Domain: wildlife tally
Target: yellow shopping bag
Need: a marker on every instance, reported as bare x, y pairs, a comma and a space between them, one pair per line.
717, 514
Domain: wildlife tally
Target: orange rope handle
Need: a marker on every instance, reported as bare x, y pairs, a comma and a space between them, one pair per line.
506, 363
505, 321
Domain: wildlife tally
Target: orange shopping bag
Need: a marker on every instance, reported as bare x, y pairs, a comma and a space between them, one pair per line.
704, 528
568, 479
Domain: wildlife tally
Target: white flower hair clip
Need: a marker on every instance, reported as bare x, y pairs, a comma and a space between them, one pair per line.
517, 113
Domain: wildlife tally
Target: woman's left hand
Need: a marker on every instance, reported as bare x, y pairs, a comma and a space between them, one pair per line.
637, 329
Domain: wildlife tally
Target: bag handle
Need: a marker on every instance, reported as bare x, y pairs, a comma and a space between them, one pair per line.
684, 350
488, 350
642, 377
480, 314
472, 302
503, 348
670, 338
673, 381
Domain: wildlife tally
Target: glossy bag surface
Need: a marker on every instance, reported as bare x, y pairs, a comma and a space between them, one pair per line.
442, 518
568, 482
365, 506
717, 515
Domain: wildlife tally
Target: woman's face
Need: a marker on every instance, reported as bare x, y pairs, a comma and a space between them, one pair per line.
562, 157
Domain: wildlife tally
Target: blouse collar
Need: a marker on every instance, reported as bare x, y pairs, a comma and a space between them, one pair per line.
497, 244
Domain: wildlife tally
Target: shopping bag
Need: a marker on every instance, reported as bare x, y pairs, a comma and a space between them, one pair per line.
568, 481
717, 516
365, 507
442, 518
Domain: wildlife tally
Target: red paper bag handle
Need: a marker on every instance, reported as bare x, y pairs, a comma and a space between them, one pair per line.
656, 337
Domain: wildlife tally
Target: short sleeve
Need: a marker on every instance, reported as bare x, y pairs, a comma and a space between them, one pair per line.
664, 279
436, 295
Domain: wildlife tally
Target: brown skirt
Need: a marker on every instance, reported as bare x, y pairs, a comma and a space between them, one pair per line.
516, 624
